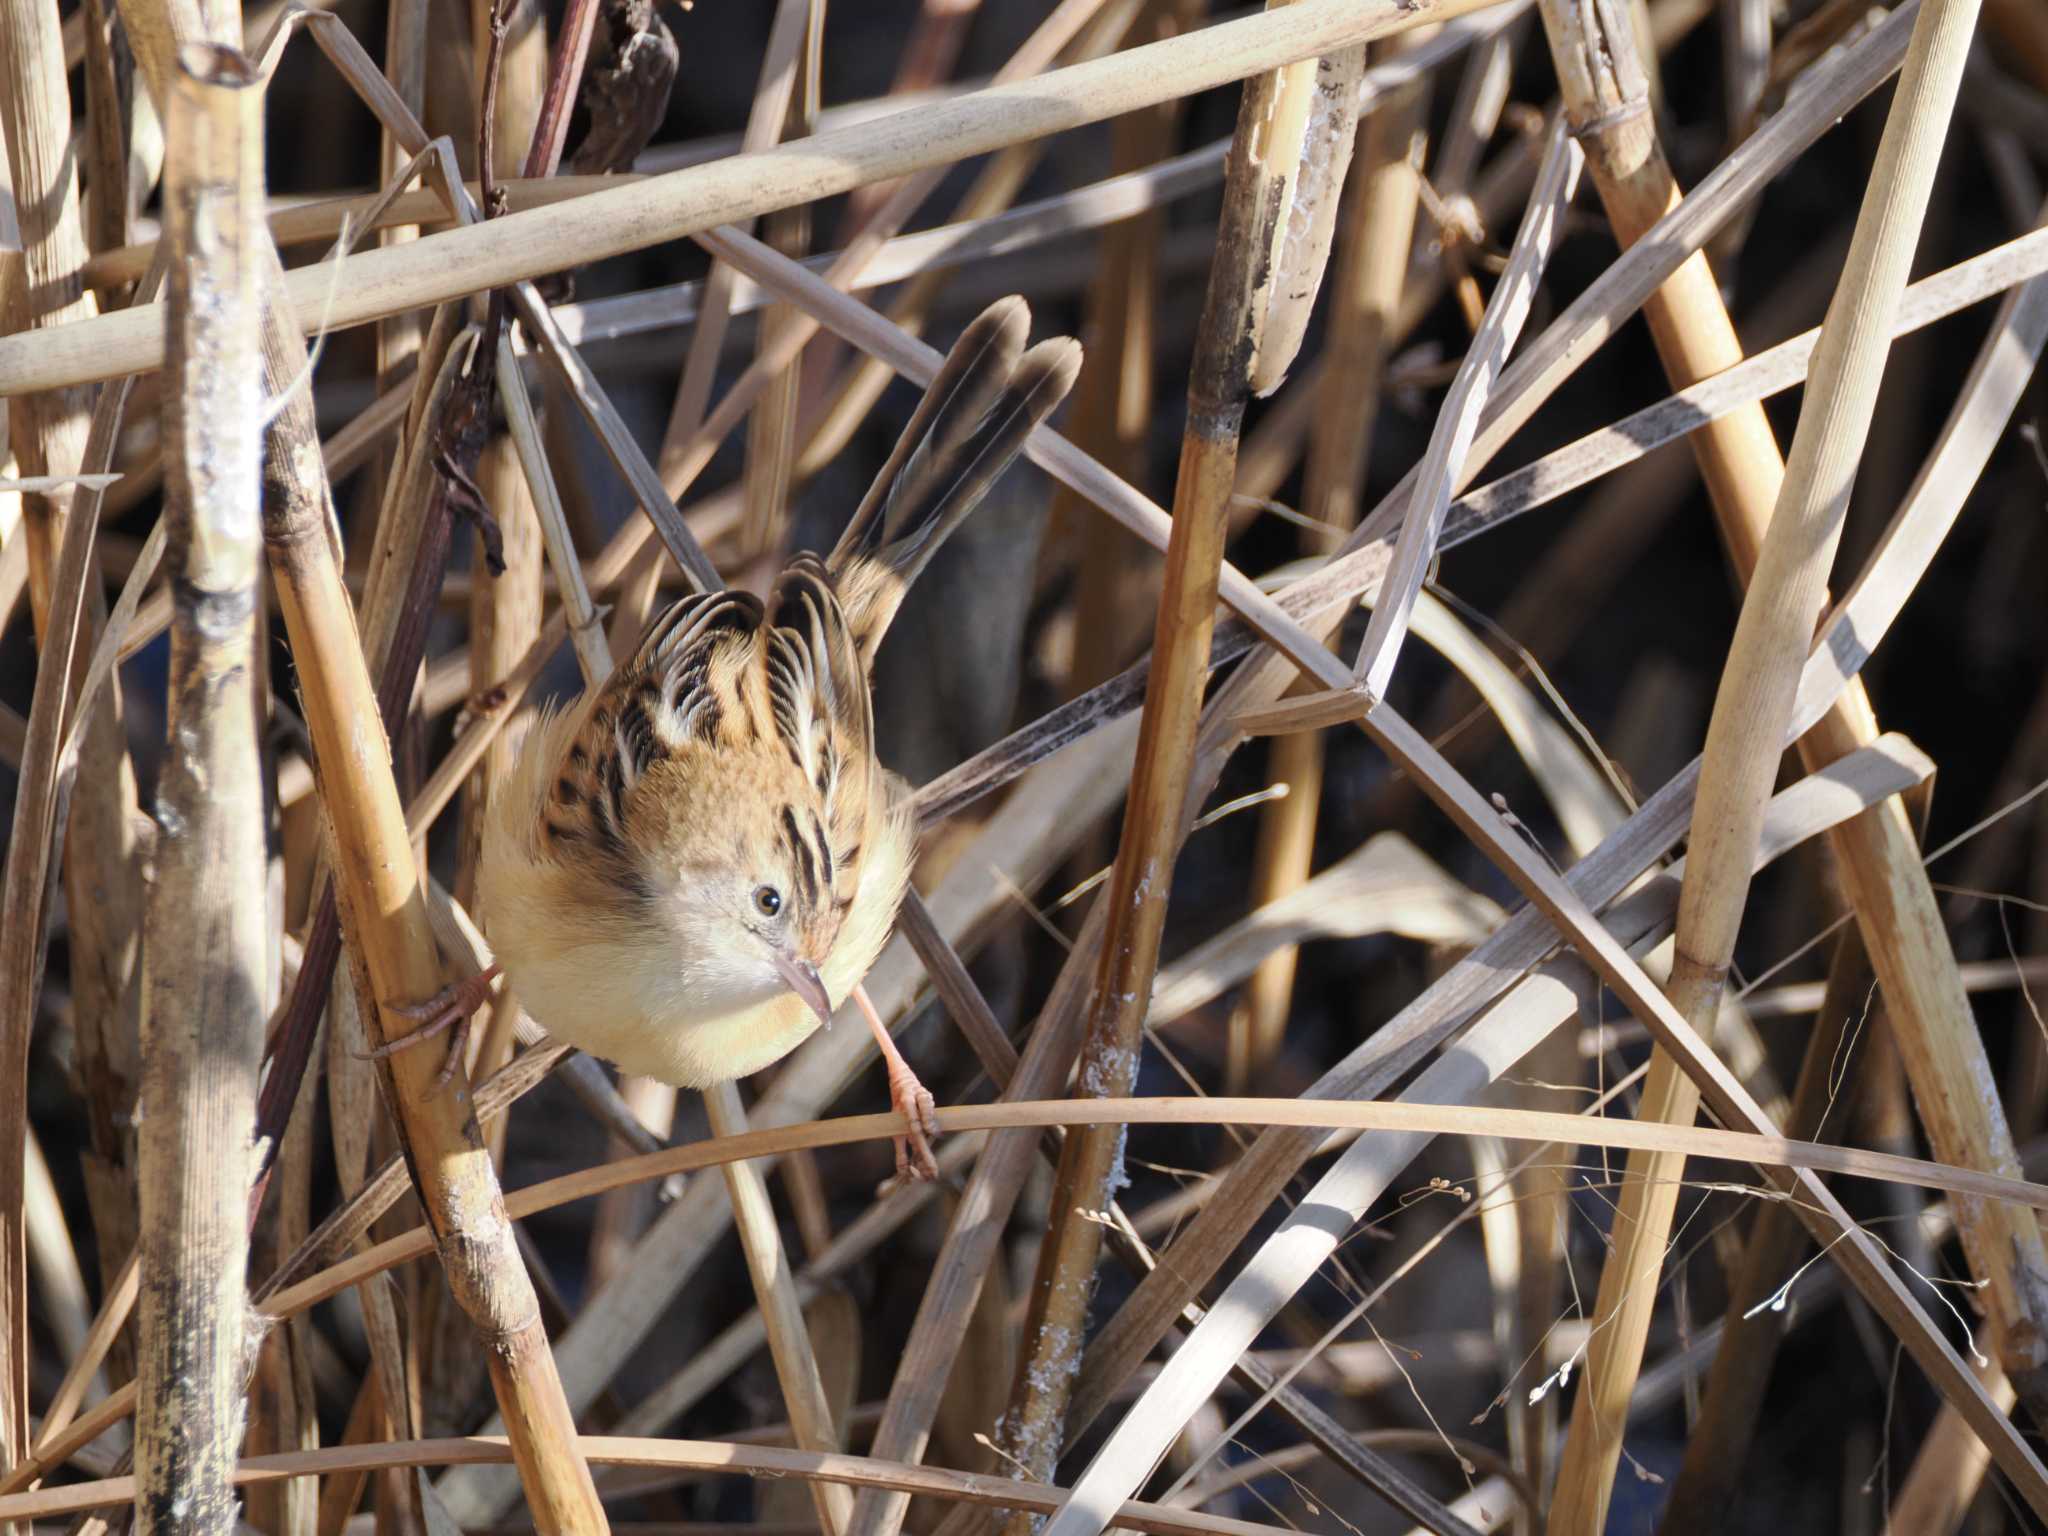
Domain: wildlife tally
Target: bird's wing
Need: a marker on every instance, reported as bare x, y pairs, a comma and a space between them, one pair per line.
818, 694
678, 688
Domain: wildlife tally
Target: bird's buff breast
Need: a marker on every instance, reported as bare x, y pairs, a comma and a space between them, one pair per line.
636, 999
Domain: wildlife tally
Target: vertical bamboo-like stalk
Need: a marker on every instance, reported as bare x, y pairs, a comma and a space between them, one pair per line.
208, 909
405, 66
1771, 637
1287, 162
1372, 261
505, 608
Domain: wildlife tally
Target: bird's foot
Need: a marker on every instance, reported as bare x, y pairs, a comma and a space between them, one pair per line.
913, 1101
451, 1008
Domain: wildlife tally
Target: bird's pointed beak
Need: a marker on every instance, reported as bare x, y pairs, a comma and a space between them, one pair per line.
802, 978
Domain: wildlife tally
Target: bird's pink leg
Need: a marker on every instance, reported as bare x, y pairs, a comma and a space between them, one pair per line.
450, 1008
911, 1100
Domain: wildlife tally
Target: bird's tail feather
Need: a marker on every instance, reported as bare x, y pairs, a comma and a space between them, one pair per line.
985, 400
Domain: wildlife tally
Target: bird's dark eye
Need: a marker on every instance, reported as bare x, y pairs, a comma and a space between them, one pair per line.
768, 900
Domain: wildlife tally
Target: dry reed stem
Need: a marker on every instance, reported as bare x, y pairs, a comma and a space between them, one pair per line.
593, 658
86, 1362
389, 924
320, 220
53, 1266
1321, 1115
1533, 1010
789, 1341
203, 1032
611, 222
1372, 264
2004, 364
1607, 100
508, 80
1761, 374
48, 776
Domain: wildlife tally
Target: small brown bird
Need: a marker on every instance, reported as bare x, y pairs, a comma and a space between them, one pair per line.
697, 863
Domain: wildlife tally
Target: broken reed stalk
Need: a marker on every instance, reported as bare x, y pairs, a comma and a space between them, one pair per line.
1365, 294
208, 909
1758, 684
1289, 156
1886, 882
